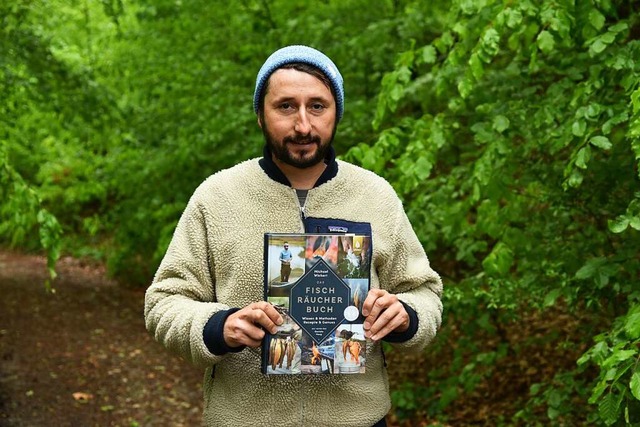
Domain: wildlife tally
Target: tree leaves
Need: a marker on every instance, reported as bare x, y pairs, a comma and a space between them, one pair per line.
499, 261
634, 385
630, 218
114, 113
511, 132
632, 323
596, 19
618, 225
609, 408
599, 43
545, 41
579, 127
538, 172
601, 142
428, 54
500, 123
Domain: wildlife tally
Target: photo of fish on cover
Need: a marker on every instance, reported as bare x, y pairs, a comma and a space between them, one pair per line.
318, 283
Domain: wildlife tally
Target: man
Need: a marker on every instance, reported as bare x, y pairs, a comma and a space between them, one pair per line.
206, 300
285, 263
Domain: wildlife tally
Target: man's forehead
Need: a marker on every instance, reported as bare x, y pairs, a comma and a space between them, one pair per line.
289, 83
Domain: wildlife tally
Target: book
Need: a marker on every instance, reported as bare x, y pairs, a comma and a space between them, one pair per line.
318, 283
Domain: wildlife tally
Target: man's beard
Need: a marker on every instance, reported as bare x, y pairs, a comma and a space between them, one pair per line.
280, 151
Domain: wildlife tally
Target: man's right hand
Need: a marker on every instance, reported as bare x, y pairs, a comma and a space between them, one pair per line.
247, 326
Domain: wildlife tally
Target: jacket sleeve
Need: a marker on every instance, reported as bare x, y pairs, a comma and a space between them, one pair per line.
407, 273
181, 299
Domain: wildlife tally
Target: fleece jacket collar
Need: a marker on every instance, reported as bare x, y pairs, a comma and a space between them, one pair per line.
273, 171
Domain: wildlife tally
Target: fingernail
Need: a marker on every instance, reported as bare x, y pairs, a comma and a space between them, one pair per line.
374, 338
366, 326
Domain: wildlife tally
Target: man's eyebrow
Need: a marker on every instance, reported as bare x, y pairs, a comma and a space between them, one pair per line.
284, 98
320, 98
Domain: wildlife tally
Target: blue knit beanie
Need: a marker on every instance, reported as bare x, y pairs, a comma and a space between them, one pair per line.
307, 55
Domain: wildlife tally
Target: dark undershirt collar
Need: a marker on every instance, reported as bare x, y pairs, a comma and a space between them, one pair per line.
273, 171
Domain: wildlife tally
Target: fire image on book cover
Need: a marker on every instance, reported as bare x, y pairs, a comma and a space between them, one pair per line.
318, 283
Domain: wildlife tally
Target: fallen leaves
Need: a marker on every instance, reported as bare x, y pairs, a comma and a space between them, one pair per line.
82, 397
83, 380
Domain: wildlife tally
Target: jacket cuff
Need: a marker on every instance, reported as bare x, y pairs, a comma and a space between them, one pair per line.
213, 334
398, 337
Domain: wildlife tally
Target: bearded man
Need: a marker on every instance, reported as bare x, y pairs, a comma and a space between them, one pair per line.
206, 300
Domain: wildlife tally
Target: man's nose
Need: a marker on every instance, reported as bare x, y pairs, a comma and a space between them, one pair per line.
303, 123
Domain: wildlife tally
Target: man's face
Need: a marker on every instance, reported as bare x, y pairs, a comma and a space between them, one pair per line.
298, 118
286, 246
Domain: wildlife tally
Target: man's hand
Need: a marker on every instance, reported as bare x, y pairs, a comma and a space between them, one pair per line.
247, 326
384, 314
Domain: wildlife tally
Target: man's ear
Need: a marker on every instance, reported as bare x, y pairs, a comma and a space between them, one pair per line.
259, 121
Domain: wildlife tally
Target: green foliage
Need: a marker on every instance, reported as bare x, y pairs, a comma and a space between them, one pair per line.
617, 354
22, 212
558, 397
512, 137
114, 112
511, 130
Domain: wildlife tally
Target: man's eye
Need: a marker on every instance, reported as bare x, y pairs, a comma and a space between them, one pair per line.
317, 107
285, 106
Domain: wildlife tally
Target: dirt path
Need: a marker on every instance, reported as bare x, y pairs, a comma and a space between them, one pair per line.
81, 356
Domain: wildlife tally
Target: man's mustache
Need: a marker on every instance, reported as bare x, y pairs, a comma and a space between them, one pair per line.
302, 139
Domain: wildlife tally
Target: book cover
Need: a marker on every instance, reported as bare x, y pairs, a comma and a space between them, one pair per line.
318, 283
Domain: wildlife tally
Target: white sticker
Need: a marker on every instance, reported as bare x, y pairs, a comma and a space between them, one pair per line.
351, 313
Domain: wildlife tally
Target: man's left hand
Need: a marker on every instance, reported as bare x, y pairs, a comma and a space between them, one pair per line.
384, 314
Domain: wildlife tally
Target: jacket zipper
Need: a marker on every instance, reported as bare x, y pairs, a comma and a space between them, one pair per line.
302, 213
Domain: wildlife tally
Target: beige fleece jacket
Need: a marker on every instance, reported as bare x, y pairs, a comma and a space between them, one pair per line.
215, 262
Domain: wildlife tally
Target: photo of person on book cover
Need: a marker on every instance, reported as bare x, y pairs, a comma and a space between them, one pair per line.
286, 263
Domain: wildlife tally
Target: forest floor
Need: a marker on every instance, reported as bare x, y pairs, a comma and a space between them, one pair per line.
81, 357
